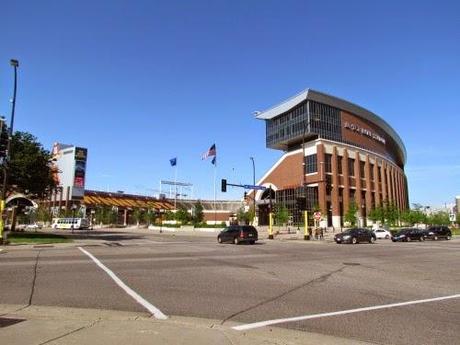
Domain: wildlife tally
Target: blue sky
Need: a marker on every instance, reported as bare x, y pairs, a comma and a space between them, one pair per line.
140, 82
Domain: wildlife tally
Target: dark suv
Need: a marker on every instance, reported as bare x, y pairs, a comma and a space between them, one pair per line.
355, 235
409, 234
238, 234
437, 232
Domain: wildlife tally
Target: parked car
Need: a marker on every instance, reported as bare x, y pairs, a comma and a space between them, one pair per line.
238, 234
355, 235
33, 226
382, 233
437, 232
409, 234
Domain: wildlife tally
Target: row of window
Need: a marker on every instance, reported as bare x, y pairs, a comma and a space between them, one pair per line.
312, 166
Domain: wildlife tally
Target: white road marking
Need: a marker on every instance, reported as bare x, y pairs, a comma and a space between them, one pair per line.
139, 299
342, 312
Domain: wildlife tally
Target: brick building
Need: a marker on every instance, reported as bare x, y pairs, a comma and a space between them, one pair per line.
349, 154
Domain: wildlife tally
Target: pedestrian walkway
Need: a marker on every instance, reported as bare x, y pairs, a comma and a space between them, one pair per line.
22, 325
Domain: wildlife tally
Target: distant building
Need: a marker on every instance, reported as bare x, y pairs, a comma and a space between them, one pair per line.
457, 204
68, 164
335, 153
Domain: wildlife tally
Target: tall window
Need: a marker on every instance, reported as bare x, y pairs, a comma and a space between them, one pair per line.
372, 171
361, 169
311, 165
328, 163
351, 167
339, 165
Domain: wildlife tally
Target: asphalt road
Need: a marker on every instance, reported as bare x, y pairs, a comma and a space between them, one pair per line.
194, 276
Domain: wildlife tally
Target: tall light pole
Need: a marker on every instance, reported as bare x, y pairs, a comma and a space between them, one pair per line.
15, 64
253, 183
306, 125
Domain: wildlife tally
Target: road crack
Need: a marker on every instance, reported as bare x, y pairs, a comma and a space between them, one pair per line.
320, 279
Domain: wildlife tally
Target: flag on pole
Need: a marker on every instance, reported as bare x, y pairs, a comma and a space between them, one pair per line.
173, 161
210, 153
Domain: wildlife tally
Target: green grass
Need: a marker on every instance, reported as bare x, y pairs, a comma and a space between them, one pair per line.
36, 238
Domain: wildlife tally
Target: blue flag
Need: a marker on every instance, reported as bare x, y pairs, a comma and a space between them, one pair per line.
173, 161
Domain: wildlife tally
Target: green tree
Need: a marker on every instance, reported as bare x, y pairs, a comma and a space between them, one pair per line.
391, 214
138, 216
458, 219
377, 214
439, 218
281, 215
198, 215
182, 215
350, 215
243, 216
29, 167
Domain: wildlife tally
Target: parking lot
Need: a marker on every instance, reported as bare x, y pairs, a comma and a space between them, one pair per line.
386, 293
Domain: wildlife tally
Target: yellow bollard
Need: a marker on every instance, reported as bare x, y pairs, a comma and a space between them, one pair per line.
305, 222
270, 226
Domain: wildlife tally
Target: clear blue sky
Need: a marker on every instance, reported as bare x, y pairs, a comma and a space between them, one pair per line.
140, 82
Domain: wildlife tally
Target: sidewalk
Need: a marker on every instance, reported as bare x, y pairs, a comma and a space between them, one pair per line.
66, 326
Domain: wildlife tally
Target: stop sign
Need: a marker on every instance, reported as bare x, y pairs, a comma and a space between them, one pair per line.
317, 215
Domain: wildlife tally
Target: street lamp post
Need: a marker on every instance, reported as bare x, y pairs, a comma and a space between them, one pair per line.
15, 64
254, 183
305, 126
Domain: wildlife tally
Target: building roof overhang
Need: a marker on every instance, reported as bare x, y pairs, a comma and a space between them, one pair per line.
336, 102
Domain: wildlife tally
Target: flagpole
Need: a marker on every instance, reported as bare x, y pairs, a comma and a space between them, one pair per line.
215, 169
175, 186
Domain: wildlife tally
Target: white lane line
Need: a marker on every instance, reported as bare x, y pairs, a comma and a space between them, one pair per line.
342, 312
139, 299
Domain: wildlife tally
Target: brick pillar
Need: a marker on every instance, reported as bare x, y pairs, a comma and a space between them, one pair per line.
389, 193
367, 169
393, 186
335, 190
322, 178
376, 183
346, 182
383, 176
358, 198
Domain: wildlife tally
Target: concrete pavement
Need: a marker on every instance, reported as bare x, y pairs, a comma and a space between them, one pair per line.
66, 326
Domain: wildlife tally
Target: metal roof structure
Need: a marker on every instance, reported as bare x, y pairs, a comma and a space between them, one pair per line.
336, 102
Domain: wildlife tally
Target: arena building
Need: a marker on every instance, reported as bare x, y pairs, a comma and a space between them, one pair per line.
336, 152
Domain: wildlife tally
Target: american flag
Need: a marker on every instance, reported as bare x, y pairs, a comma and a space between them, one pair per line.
210, 153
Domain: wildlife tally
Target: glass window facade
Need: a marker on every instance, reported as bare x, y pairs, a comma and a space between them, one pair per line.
288, 198
325, 121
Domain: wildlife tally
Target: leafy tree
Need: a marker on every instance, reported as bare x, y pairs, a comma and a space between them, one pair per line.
377, 214
106, 215
458, 219
391, 213
29, 166
138, 216
350, 215
182, 215
281, 215
439, 218
198, 213
243, 216
151, 216
169, 215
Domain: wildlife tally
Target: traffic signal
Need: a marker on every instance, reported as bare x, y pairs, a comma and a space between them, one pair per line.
302, 203
4, 138
224, 185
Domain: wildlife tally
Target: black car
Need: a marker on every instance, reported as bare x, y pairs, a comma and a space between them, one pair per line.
437, 232
355, 235
238, 234
409, 234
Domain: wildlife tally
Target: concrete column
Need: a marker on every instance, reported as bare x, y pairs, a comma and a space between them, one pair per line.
125, 217
335, 190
